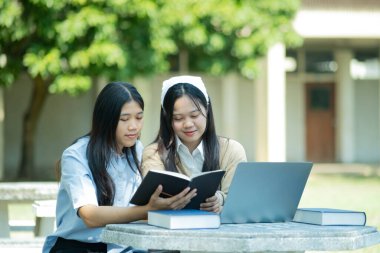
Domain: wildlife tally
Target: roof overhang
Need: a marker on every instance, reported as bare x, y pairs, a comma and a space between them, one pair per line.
347, 24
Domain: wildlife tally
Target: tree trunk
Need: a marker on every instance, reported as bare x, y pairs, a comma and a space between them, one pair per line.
183, 61
31, 117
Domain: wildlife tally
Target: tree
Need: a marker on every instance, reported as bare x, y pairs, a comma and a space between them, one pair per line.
63, 45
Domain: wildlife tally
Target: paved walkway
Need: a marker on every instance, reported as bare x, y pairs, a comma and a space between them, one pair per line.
17, 245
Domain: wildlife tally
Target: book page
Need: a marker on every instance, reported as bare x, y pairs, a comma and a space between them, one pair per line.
172, 173
205, 173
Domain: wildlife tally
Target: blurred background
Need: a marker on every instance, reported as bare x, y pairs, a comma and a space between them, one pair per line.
292, 80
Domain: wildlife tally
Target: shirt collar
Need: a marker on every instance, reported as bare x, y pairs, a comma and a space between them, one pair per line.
117, 155
199, 147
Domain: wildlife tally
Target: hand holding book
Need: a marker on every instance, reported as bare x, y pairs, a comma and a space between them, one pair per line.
173, 183
176, 202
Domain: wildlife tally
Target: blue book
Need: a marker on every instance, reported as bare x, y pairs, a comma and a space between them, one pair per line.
329, 216
184, 219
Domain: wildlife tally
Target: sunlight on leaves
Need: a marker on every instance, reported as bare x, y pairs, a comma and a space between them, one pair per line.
70, 84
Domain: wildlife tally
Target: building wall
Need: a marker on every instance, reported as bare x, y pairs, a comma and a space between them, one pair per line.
295, 119
367, 130
65, 118
366, 113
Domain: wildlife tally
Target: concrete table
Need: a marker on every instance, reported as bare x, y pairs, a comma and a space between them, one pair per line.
21, 192
253, 237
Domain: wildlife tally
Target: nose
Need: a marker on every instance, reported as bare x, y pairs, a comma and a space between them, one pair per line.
132, 125
188, 123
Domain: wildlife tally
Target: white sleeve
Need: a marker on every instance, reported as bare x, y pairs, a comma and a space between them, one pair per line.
77, 179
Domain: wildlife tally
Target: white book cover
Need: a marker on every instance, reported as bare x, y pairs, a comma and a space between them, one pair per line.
184, 219
330, 216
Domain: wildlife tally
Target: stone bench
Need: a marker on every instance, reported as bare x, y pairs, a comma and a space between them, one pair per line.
22, 192
21, 225
44, 211
17, 245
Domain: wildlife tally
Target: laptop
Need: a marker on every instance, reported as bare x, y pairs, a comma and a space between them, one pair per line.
265, 192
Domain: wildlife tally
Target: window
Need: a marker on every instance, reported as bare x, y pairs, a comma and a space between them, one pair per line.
320, 62
365, 64
320, 99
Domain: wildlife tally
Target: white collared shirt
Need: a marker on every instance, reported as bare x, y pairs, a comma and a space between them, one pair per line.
77, 189
193, 162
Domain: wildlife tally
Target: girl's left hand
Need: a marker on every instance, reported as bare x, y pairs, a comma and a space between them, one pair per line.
176, 202
212, 204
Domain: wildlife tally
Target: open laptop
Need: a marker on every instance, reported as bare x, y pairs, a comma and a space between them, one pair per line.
265, 192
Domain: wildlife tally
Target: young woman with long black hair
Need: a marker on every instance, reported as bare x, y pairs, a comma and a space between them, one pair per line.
187, 141
101, 171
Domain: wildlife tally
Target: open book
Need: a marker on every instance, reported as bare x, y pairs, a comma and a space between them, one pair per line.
173, 183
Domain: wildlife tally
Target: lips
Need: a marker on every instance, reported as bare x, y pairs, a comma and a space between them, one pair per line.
131, 136
190, 133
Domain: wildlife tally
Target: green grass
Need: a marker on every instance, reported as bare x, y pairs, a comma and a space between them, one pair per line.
345, 191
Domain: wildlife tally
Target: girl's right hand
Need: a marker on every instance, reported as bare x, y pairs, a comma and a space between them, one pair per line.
176, 202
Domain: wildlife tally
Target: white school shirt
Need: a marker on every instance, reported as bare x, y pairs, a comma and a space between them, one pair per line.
193, 162
77, 188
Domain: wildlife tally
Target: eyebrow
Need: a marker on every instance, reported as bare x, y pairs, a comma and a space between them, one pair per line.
128, 114
196, 110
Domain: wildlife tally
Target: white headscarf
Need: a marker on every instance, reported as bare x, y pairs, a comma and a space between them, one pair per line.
193, 80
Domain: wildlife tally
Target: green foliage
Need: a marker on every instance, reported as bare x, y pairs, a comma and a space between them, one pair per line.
71, 84
223, 35
40, 62
74, 40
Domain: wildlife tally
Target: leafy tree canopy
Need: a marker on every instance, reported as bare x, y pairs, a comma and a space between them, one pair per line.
67, 42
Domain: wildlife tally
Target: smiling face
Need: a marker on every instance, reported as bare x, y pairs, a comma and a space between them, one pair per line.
129, 126
189, 123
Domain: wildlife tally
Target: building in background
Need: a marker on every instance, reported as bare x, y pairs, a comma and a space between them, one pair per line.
319, 102
337, 74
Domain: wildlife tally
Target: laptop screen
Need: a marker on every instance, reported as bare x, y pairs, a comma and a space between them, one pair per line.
265, 192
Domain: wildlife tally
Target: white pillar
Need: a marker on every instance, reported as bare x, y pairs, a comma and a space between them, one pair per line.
276, 103
230, 108
270, 97
345, 131
261, 109
302, 105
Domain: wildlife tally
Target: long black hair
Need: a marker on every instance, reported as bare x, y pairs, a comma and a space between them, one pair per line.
166, 137
102, 141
